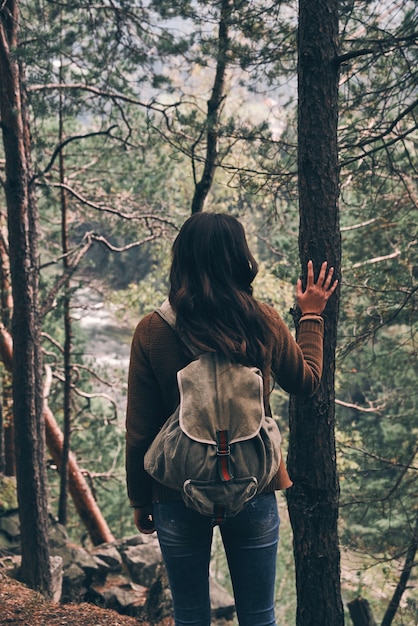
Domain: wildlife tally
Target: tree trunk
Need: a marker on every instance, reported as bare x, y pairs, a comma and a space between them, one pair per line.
214, 110
360, 612
27, 379
66, 444
313, 500
404, 578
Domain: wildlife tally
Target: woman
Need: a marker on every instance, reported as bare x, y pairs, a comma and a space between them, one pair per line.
210, 291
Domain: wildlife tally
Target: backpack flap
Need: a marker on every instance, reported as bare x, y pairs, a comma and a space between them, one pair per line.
216, 394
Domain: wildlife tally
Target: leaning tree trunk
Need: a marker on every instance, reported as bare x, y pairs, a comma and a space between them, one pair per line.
313, 500
27, 374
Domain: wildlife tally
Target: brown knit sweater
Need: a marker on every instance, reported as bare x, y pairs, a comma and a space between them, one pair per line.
157, 354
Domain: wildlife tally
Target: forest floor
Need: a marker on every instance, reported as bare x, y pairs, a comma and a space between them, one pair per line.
21, 606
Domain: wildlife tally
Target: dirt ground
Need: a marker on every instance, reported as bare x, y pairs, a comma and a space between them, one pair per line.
21, 606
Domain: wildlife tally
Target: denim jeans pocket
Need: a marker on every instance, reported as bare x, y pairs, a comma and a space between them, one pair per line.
262, 511
173, 517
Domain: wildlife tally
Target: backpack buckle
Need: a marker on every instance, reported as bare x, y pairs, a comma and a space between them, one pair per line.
223, 452
222, 443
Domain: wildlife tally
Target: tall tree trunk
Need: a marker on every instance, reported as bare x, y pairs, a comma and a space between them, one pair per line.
27, 374
313, 500
62, 510
214, 110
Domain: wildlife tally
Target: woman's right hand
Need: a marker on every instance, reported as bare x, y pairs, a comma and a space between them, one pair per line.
316, 295
143, 520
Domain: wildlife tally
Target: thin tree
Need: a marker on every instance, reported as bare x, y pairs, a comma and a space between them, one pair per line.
62, 507
214, 105
313, 500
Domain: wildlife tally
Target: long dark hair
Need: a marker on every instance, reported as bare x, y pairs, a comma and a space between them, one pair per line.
211, 289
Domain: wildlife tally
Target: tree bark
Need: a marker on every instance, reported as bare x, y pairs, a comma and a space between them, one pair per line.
313, 500
27, 379
66, 444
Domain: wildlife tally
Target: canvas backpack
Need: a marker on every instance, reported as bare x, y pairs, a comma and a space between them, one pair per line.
218, 448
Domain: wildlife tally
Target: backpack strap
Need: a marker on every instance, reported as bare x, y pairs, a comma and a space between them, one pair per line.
166, 311
168, 314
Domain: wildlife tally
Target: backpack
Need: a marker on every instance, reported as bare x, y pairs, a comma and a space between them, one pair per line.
218, 448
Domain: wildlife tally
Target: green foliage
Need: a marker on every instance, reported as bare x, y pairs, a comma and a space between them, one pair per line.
377, 456
376, 370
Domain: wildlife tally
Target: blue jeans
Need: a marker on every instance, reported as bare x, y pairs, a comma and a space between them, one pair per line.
250, 540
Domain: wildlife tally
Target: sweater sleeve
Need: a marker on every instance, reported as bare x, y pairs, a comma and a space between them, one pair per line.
297, 365
143, 405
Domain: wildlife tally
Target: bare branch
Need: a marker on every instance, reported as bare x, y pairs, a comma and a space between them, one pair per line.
390, 127
53, 341
404, 466
95, 375
391, 462
91, 89
383, 146
66, 142
129, 246
272, 249
361, 409
360, 225
383, 322
107, 209
381, 46
91, 396
81, 248
65, 276
378, 259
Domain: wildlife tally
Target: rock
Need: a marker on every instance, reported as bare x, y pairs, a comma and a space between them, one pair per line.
71, 554
10, 531
142, 562
73, 584
57, 534
108, 554
119, 594
57, 577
